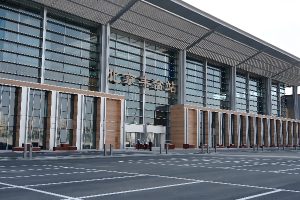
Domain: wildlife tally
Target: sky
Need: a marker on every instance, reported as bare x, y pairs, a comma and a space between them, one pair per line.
274, 21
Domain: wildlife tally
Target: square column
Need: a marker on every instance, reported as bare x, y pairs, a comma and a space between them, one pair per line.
53, 119
227, 125
295, 133
182, 77
245, 130
284, 132
232, 88
266, 132
290, 133
236, 130
273, 133
259, 126
252, 127
295, 102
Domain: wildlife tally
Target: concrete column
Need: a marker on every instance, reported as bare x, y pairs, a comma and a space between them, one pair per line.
102, 122
42, 75
227, 133
182, 77
232, 88
279, 132
259, 127
252, 130
236, 130
290, 133
79, 121
266, 132
53, 119
295, 102
268, 97
295, 133
284, 132
104, 57
273, 132
23, 115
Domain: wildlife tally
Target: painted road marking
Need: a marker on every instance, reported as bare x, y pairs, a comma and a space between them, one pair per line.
39, 191
260, 195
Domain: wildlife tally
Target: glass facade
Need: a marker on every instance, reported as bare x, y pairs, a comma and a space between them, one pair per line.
241, 93
283, 103
8, 109
217, 87
256, 96
274, 100
20, 44
37, 118
65, 119
71, 55
134, 77
195, 89
89, 123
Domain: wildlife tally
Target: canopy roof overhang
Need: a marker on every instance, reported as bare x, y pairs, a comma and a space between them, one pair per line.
177, 24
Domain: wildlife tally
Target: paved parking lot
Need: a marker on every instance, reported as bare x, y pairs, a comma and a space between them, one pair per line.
190, 176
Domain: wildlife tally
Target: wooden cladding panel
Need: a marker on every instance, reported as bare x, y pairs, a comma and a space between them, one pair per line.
113, 122
266, 132
245, 130
192, 126
272, 132
279, 132
217, 128
252, 130
295, 133
206, 126
290, 133
259, 130
284, 132
177, 125
227, 129
236, 130
18, 117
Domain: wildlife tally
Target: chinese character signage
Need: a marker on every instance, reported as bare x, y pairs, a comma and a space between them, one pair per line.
129, 79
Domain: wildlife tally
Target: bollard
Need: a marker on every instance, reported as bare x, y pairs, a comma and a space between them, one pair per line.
167, 146
207, 148
104, 150
159, 148
215, 148
262, 147
30, 151
110, 149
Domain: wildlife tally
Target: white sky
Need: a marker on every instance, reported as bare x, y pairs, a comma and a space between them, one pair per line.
274, 21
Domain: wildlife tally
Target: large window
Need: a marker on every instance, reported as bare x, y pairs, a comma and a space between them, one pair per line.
89, 123
160, 68
241, 93
217, 87
283, 100
71, 55
132, 76
37, 118
256, 96
65, 119
194, 83
274, 100
7, 117
20, 42
126, 58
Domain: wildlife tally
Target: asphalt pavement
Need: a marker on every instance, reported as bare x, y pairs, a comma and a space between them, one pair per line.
149, 175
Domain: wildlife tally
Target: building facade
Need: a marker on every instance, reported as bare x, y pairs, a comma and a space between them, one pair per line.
82, 74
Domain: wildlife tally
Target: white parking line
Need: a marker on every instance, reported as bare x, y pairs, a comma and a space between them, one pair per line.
138, 190
259, 195
40, 191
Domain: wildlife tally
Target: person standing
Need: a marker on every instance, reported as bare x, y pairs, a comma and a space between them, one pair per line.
138, 144
150, 145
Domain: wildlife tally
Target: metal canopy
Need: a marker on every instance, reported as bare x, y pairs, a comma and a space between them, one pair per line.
179, 25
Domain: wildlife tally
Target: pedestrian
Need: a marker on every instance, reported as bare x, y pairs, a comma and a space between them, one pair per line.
150, 145
138, 144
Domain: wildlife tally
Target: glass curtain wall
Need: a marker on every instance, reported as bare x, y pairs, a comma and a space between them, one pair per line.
7, 117
256, 96
71, 55
20, 43
274, 100
89, 123
241, 93
65, 119
128, 77
37, 118
283, 106
160, 71
126, 59
217, 87
195, 83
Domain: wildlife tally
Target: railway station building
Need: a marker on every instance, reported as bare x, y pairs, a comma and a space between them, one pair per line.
77, 74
